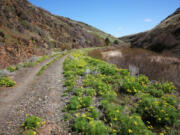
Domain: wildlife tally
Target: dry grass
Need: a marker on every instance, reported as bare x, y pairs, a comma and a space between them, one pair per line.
157, 67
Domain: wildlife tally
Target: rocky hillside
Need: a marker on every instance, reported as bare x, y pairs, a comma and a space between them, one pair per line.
165, 36
26, 30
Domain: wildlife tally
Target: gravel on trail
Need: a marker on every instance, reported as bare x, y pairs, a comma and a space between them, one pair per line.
42, 97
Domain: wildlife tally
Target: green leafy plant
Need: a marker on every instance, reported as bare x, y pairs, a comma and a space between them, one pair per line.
97, 127
165, 87
90, 92
32, 122
12, 68
5, 81
131, 85
154, 92
80, 124
157, 111
93, 112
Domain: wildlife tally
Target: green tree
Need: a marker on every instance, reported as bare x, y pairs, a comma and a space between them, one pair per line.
116, 42
107, 41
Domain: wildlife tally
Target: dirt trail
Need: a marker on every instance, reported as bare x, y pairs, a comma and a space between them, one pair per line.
34, 95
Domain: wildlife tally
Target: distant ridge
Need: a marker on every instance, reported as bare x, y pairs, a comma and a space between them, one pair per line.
165, 36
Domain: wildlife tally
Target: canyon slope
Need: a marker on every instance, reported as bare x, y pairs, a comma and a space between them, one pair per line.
164, 37
27, 30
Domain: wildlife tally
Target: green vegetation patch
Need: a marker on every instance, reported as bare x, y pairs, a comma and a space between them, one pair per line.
6, 82
31, 124
105, 100
48, 64
12, 68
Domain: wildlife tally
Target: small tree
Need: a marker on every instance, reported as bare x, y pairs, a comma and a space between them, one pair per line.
116, 42
107, 41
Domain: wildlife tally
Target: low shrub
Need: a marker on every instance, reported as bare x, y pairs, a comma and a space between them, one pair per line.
78, 92
90, 92
32, 122
133, 125
74, 103
97, 127
157, 111
80, 124
143, 80
5, 81
93, 112
86, 101
154, 92
165, 87
79, 102
124, 72
124, 124
131, 85
12, 68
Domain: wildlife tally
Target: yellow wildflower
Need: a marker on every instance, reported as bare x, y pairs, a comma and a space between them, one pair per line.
135, 123
130, 131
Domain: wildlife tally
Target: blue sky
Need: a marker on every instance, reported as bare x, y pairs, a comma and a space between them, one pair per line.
117, 17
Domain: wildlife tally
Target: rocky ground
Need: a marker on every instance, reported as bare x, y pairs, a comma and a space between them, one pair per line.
35, 95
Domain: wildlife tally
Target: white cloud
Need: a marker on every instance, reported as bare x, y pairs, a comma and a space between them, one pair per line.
148, 20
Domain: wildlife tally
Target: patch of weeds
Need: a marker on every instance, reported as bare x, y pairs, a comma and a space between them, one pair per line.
12, 68
67, 116
32, 122
165, 87
93, 112
77, 102
93, 127
90, 92
48, 64
131, 85
6, 82
157, 111
107, 100
154, 92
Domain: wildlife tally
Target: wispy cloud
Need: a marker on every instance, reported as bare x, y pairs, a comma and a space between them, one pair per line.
148, 20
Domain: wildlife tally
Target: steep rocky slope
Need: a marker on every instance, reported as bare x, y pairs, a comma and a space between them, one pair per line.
26, 30
165, 36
